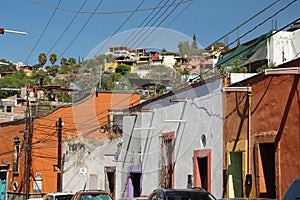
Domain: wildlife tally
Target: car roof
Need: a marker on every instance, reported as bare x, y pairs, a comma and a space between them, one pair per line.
182, 189
92, 191
60, 193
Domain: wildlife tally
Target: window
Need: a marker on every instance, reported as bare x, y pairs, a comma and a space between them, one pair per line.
8, 109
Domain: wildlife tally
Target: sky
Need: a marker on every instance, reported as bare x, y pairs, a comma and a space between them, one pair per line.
84, 28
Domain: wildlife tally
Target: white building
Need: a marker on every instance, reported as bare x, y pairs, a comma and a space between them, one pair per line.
174, 140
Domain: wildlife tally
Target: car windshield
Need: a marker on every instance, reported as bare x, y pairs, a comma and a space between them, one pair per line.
58, 197
64, 197
95, 197
189, 195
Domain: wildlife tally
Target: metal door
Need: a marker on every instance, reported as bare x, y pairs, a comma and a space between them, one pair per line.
2, 185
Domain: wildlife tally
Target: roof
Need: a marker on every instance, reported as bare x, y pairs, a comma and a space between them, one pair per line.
243, 52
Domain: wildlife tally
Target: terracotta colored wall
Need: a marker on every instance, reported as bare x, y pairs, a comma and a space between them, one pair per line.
276, 108
275, 118
83, 119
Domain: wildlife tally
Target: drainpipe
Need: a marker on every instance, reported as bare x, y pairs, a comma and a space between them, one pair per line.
248, 175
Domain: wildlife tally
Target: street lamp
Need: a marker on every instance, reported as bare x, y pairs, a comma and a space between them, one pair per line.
2, 31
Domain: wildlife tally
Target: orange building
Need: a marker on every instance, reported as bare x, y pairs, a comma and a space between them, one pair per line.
38, 151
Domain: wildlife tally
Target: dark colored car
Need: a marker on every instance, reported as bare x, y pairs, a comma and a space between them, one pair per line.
246, 198
293, 191
91, 195
181, 194
58, 196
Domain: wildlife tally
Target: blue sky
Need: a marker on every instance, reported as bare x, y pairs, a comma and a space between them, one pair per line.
70, 33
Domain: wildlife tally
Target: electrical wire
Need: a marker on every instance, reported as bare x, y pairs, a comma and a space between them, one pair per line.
248, 20
106, 13
46, 27
175, 18
247, 48
83, 27
67, 27
156, 26
119, 28
134, 35
289, 24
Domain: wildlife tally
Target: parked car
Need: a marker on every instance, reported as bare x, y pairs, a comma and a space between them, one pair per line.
181, 194
293, 191
58, 196
91, 195
246, 198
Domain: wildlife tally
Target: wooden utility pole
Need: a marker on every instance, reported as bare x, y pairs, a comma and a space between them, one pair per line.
27, 144
27, 147
59, 165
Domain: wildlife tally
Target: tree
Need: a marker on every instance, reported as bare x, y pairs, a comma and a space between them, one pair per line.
52, 71
63, 61
42, 58
39, 78
16, 80
123, 69
6, 66
53, 58
186, 49
194, 44
72, 61
64, 69
115, 81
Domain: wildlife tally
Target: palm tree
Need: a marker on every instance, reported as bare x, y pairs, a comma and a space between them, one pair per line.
72, 61
42, 59
63, 61
53, 58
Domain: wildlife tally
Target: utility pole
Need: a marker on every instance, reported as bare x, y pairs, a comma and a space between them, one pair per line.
27, 146
27, 142
59, 125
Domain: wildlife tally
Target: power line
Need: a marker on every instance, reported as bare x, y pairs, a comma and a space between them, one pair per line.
159, 23
132, 36
83, 27
67, 27
247, 48
42, 32
106, 13
117, 30
180, 13
248, 20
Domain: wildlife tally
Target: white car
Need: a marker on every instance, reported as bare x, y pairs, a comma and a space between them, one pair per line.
58, 196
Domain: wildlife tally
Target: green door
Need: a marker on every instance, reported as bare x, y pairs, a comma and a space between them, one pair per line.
235, 175
2, 185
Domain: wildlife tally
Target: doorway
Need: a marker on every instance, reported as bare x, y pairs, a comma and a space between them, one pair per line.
267, 170
134, 181
110, 180
2, 185
202, 169
235, 174
167, 173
